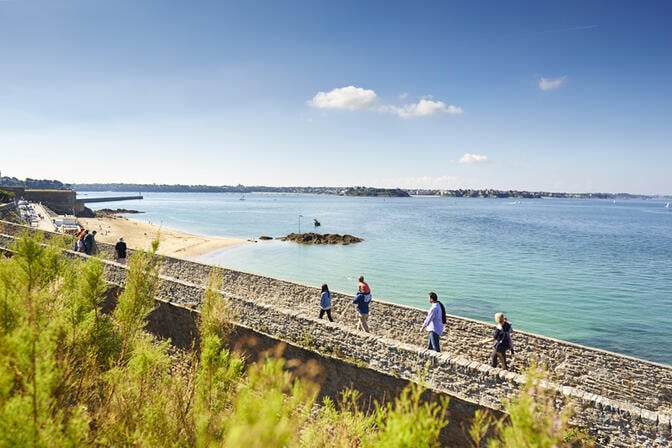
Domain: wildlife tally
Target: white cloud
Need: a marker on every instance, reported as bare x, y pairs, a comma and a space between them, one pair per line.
424, 108
551, 83
473, 158
348, 98
356, 98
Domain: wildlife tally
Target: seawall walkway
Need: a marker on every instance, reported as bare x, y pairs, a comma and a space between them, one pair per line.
622, 400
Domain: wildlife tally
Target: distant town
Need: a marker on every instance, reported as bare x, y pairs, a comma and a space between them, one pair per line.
343, 191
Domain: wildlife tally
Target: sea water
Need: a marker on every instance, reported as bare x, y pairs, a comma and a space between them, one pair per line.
594, 272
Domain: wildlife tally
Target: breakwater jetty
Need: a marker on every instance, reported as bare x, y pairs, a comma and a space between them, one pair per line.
108, 199
621, 400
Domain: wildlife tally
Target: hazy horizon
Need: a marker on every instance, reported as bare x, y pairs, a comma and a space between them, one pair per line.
366, 186
97, 183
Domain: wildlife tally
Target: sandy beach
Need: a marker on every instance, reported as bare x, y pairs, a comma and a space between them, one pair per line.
139, 235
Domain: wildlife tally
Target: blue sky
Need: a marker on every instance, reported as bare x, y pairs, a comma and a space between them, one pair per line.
553, 96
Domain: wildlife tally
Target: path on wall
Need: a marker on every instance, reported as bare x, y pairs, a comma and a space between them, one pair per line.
44, 221
634, 381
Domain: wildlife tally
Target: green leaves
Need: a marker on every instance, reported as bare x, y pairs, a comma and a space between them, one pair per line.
32, 390
532, 419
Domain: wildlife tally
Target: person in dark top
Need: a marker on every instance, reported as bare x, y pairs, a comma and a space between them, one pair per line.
120, 251
502, 341
363, 310
89, 241
362, 299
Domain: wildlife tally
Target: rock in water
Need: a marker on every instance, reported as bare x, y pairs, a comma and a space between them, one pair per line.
317, 238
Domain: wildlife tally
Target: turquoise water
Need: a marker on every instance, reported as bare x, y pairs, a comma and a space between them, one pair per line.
593, 272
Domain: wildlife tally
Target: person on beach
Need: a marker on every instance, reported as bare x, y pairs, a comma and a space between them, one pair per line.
502, 341
325, 302
434, 322
120, 251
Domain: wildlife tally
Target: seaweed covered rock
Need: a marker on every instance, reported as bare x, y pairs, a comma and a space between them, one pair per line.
106, 212
317, 238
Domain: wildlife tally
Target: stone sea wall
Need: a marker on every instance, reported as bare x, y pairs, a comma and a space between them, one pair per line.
623, 401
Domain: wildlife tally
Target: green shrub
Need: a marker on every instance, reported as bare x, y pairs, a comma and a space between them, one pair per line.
6, 196
532, 419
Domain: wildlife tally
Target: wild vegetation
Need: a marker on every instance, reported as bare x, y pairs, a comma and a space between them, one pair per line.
6, 196
71, 375
32, 183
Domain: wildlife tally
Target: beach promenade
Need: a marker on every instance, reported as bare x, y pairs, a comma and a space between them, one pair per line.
45, 220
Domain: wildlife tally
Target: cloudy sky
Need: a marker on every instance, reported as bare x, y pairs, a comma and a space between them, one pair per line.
555, 96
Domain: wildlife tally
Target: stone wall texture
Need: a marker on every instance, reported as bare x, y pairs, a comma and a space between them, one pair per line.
61, 201
622, 401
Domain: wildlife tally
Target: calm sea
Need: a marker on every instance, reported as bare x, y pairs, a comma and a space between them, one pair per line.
594, 272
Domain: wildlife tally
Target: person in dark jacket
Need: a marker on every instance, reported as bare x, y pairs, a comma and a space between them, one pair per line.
362, 299
89, 242
502, 341
363, 310
120, 251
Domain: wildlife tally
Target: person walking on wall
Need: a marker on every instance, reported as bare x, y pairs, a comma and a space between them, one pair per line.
120, 251
363, 310
434, 322
362, 299
89, 241
363, 287
325, 302
502, 341
79, 245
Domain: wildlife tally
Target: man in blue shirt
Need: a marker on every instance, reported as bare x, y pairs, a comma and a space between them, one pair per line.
436, 317
363, 309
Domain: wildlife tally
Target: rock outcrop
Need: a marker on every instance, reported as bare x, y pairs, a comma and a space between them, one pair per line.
118, 211
317, 238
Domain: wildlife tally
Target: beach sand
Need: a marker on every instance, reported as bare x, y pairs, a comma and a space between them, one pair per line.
139, 235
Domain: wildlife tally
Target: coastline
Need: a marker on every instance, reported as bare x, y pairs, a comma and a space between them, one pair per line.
139, 235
